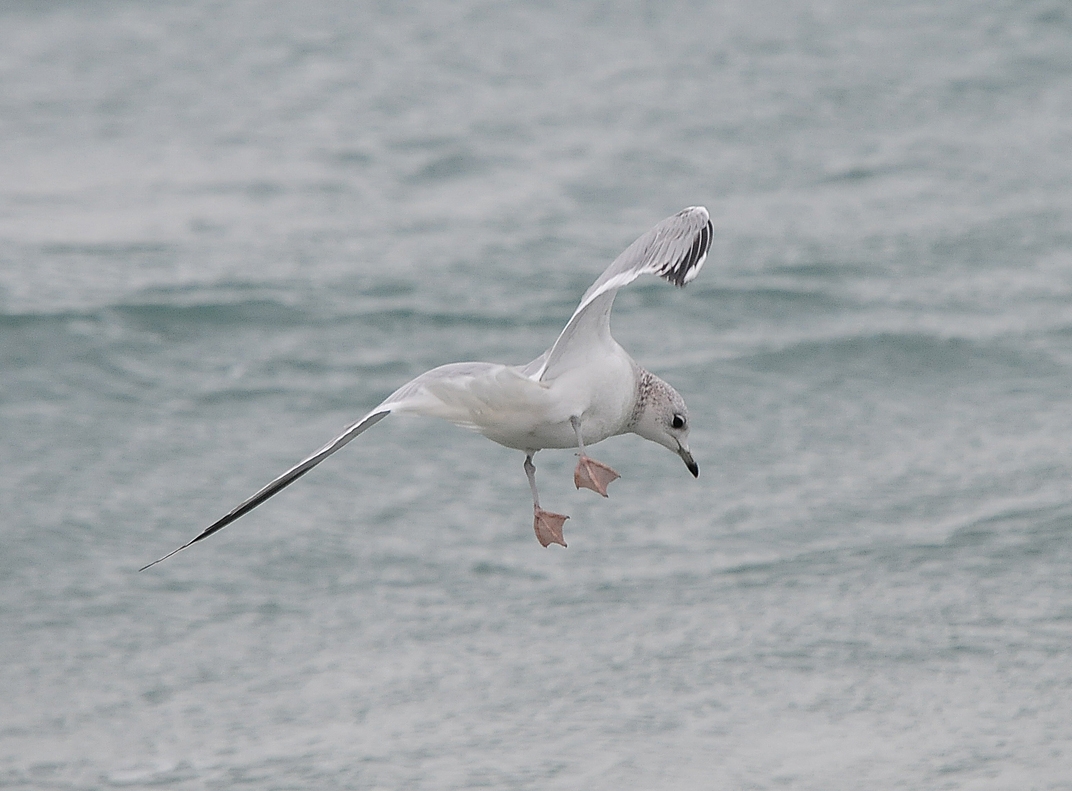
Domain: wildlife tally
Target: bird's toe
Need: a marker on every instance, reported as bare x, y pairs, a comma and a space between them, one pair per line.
594, 475
548, 527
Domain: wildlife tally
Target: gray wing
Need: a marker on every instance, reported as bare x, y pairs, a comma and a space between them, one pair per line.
284, 480
414, 396
675, 249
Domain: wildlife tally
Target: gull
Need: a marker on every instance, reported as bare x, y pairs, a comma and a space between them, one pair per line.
582, 390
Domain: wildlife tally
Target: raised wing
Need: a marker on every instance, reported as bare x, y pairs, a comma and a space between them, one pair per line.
675, 249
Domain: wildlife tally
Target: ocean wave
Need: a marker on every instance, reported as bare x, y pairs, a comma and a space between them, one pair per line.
895, 354
262, 312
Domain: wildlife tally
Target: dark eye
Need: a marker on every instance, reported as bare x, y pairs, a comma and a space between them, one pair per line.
677, 422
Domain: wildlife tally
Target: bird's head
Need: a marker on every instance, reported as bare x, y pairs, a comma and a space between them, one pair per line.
661, 416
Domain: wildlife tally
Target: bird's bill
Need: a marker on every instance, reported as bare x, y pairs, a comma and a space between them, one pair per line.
686, 457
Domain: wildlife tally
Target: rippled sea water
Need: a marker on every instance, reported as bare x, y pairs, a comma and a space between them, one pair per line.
227, 229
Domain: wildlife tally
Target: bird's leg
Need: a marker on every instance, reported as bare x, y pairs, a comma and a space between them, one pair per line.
590, 474
548, 526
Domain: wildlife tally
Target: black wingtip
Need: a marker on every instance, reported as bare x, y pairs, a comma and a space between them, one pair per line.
679, 273
161, 560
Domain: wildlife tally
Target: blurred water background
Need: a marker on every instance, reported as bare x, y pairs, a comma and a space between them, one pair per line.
227, 229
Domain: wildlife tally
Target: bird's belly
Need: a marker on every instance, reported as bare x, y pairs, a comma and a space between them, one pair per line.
547, 435
532, 434
601, 396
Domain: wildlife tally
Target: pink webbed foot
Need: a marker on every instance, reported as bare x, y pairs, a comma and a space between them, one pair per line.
594, 475
548, 527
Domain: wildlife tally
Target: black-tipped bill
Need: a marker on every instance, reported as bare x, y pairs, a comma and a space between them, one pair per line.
686, 457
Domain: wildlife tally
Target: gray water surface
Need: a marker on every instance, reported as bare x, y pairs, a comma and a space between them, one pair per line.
227, 229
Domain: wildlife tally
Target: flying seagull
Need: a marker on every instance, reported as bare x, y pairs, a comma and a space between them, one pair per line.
582, 390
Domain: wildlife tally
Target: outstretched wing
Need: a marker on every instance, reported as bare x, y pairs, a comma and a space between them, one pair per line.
441, 392
286, 479
675, 249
